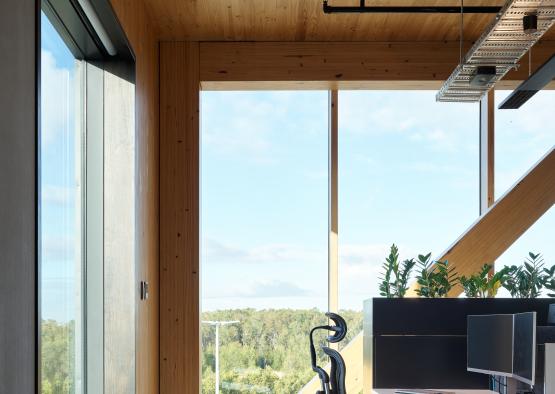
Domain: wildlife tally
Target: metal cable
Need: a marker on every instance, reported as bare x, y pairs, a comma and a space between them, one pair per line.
530, 61
461, 33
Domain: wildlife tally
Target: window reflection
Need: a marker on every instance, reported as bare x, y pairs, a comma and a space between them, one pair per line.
60, 216
264, 238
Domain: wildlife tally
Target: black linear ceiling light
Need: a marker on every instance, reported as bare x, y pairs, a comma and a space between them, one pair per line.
535, 82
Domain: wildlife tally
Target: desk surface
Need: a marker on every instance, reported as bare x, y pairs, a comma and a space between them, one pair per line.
446, 391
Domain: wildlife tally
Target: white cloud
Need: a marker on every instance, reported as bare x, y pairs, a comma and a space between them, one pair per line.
359, 254
257, 125
56, 98
56, 194
437, 137
360, 269
58, 248
215, 251
275, 288
419, 119
316, 175
257, 289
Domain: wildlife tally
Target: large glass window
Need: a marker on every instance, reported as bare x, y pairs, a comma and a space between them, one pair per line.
61, 214
408, 174
264, 237
522, 137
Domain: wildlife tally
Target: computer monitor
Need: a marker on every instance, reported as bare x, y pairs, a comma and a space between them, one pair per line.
551, 315
502, 345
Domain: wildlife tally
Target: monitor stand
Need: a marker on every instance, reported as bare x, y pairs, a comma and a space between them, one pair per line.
505, 385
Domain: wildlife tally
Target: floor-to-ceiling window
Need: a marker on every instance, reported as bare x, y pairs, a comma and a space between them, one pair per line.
522, 137
408, 174
61, 215
264, 237
86, 191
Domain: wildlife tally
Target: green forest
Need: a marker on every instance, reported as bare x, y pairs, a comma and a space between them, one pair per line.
58, 357
267, 351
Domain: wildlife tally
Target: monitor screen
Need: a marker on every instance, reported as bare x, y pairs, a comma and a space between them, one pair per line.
502, 345
525, 347
490, 344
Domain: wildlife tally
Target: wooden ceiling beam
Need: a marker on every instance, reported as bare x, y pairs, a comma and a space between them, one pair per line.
416, 65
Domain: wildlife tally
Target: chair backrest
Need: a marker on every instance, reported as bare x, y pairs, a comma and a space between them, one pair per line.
334, 383
337, 371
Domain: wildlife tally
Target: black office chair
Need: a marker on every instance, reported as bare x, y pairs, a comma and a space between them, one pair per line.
334, 383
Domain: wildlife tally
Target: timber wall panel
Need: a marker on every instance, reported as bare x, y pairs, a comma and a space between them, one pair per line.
143, 37
179, 218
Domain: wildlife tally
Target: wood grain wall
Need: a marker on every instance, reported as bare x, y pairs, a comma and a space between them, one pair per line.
143, 37
179, 217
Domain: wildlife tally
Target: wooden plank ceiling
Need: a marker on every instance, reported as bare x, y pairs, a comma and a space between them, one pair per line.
304, 20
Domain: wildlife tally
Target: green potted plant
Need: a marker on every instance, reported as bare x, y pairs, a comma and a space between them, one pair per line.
435, 278
482, 284
396, 274
550, 281
528, 280
551, 287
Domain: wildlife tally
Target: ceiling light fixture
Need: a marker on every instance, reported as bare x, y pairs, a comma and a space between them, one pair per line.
501, 46
530, 23
483, 76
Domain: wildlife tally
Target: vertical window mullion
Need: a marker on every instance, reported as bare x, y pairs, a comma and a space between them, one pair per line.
487, 127
333, 222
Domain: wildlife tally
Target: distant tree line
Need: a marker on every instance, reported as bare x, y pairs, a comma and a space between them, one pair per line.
267, 352
57, 357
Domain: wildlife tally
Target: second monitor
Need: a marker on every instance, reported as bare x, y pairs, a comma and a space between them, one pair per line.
503, 345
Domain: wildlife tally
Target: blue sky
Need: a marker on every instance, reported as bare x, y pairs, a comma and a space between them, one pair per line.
408, 171
60, 145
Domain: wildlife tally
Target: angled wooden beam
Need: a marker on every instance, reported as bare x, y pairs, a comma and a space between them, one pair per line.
507, 219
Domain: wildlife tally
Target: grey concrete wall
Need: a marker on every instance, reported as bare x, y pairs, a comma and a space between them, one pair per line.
18, 270
120, 286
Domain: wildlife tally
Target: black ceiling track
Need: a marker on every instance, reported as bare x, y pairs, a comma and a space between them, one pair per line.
364, 9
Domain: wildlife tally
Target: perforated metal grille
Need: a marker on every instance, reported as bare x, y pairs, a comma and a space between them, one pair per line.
501, 45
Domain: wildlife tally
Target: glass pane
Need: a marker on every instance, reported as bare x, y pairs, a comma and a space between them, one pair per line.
60, 216
522, 137
408, 174
264, 238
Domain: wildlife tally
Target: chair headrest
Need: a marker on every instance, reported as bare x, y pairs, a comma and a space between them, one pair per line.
339, 329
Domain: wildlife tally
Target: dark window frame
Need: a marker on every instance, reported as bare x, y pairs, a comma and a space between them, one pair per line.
73, 26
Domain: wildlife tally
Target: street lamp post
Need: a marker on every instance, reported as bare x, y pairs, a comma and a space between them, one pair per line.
217, 325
